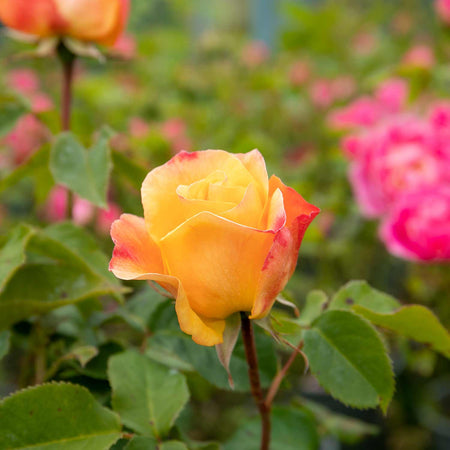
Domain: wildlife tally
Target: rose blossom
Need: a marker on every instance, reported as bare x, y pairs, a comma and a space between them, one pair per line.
217, 234
100, 21
442, 8
418, 228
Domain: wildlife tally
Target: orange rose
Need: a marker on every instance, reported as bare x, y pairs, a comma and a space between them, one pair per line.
100, 21
218, 235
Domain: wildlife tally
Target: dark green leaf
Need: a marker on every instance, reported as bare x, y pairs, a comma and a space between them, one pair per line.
292, 429
85, 172
4, 343
349, 359
56, 416
147, 395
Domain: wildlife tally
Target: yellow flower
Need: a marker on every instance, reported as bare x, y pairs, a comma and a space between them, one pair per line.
218, 235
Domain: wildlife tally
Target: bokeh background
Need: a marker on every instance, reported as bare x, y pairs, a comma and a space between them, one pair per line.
238, 75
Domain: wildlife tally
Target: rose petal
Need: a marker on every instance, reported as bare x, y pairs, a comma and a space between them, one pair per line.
38, 17
136, 257
255, 164
282, 258
218, 263
159, 190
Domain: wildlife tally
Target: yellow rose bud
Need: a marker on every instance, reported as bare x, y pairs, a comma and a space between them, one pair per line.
100, 21
218, 235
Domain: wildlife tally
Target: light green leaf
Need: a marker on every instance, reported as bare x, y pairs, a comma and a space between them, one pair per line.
4, 343
11, 109
360, 293
173, 445
349, 359
315, 304
141, 443
414, 322
55, 416
85, 172
147, 395
292, 429
12, 254
52, 275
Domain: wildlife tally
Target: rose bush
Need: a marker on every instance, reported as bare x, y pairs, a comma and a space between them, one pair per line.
217, 234
100, 21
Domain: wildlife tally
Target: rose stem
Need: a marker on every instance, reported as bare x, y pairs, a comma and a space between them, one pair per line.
67, 59
253, 375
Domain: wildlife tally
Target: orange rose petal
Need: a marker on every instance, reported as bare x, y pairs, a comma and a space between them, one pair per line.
93, 20
218, 263
37, 17
159, 189
282, 258
136, 257
255, 164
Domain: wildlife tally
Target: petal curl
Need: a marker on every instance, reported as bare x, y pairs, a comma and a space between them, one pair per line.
218, 263
255, 164
136, 257
282, 257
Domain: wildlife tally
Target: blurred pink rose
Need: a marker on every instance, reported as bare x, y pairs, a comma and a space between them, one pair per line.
106, 217
56, 207
418, 227
27, 136
125, 46
419, 56
397, 157
389, 98
392, 94
343, 87
24, 81
254, 54
364, 43
138, 127
442, 8
299, 73
321, 93
175, 131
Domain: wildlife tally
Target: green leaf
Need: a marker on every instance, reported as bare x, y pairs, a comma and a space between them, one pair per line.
85, 172
12, 255
292, 429
11, 109
315, 304
414, 322
51, 276
169, 347
55, 416
347, 429
349, 359
147, 443
36, 167
80, 242
128, 169
4, 343
147, 395
360, 293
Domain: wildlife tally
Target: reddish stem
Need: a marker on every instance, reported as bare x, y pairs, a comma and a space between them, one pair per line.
255, 384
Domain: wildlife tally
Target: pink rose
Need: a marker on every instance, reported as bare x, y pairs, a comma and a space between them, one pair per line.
418, 227
321, 93
442, 8
400, 156
392, 94
420, 56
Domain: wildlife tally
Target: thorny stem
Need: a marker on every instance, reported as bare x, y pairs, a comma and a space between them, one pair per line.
253, 374
67, 59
